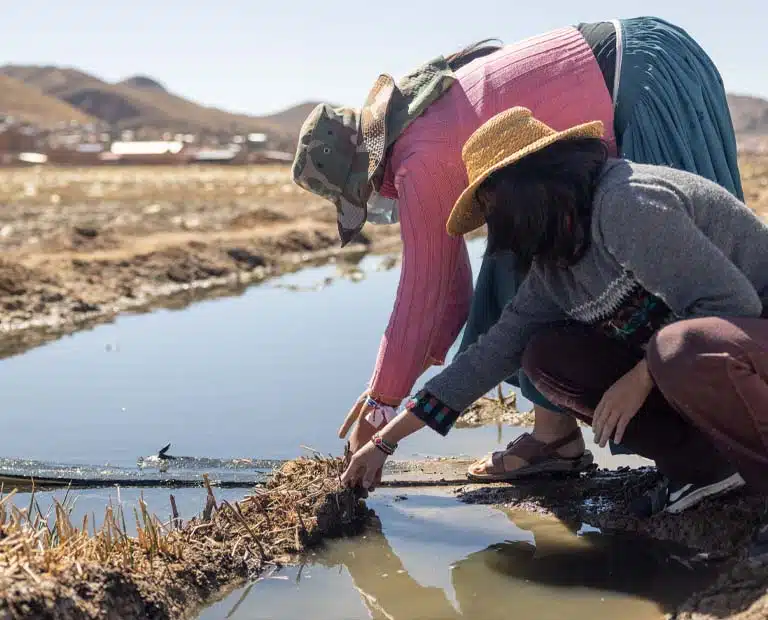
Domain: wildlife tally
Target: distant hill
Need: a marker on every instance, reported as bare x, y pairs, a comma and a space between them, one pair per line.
134, 103
749, 115
49, 94
33, 106
142, 81
291, 119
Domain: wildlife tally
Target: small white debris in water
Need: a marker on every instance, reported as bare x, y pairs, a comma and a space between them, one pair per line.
588, 529
599, 505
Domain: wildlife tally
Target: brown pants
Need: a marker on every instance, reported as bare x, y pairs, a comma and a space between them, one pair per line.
708, 409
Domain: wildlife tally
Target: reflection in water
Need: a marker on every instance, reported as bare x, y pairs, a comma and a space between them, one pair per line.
93, 503
434, 558
254, 376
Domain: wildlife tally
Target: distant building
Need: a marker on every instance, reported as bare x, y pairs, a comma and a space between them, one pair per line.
232, 154
147, 152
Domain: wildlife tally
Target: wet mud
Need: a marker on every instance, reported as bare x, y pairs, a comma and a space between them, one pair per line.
501, 409
169, 570
81, 246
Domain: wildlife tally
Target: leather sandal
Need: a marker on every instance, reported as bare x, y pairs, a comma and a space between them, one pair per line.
541, 458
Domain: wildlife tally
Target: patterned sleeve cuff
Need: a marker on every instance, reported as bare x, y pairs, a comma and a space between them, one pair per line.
434, 413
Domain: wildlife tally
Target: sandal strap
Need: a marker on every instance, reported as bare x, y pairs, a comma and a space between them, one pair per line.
563, 441
497, 462
533, 451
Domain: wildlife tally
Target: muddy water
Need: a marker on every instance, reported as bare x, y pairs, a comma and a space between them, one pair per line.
262, 374
434, 558
257, 375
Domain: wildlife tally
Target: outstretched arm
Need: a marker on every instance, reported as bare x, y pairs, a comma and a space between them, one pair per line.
435, 286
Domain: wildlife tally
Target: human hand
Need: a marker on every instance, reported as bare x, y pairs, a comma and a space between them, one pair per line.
620, 404
363, 431
370, 416
365, 467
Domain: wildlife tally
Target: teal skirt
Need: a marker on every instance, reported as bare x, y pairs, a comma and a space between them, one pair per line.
670, 110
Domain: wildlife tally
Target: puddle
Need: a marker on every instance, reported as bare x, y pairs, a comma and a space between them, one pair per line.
254, 376
435, 558
262, 374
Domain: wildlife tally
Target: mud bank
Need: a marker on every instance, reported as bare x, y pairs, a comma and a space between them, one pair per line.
170, 570
83, 245
61, 571
494, 411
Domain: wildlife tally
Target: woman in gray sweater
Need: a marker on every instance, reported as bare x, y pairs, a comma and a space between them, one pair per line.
643, 314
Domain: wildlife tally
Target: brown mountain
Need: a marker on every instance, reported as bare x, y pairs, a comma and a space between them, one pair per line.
33, 106
51, 94
143, 82
291, 119
749, 115
133, 103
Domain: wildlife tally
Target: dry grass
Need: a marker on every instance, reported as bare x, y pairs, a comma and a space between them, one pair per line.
754, 176
51, 567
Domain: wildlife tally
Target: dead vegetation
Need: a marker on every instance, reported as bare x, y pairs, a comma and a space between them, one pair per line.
501, 409
51, 567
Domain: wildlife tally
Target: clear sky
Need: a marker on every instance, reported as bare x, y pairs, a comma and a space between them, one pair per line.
259, 56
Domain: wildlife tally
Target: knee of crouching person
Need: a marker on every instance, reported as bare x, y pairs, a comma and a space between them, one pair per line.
540, 352
672, 350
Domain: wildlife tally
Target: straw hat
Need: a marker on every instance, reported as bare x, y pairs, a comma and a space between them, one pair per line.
500, 141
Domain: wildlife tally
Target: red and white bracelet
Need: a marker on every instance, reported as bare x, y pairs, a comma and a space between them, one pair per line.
382, 444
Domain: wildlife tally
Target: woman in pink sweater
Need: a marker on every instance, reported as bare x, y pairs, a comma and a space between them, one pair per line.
398, 159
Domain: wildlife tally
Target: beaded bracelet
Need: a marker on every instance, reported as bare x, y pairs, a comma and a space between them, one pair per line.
383, 445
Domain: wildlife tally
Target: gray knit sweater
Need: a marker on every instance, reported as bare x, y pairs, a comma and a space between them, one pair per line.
679, 236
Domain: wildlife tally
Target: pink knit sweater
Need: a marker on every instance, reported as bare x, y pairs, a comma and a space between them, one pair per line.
556, 76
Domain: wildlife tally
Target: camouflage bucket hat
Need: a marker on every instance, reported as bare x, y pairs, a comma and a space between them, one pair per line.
341, 151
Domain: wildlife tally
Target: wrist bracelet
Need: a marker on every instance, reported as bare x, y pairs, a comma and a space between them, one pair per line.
371, 402
382, 444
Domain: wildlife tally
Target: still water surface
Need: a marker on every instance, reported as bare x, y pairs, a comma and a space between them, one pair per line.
434, 558
257, 376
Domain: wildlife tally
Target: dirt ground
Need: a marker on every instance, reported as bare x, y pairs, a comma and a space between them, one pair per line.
170, 569
81, 245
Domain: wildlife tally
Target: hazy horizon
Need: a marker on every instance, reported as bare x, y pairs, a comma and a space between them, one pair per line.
211, 53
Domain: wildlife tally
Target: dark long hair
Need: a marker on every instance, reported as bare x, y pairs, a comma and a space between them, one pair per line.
476, 50
540, 207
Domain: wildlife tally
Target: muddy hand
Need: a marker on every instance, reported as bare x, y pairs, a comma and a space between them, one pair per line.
365, 468
361, 435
